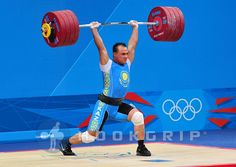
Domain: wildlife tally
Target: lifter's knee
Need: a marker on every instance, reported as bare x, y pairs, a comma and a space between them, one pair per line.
137, 118
87, 138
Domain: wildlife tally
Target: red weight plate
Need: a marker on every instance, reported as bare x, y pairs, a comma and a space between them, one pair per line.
172, 24
159, 33
57, 26
181, 16
169, 31
64, 20
176, 38
76, 24
74, 29
67, 32
175, 25
70, 27
61, 29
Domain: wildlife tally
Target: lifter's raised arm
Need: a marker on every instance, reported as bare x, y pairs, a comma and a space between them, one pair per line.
133, 40
99, 43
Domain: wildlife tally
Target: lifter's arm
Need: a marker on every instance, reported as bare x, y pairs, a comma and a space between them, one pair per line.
99, 43
133, 40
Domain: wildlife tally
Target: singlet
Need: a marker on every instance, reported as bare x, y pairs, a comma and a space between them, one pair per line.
116, 78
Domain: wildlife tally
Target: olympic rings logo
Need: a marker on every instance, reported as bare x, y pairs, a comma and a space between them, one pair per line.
183, 110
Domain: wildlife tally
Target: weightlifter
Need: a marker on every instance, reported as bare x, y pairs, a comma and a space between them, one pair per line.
110, 103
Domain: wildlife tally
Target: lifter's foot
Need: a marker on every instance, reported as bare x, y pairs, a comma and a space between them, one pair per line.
143, 151
65, 148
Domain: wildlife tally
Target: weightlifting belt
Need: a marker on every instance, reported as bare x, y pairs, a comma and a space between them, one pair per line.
110, 100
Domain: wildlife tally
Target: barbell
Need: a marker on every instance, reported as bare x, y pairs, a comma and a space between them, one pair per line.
61, 28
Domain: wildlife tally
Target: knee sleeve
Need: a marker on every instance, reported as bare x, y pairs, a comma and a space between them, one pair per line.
137, 118
87, 138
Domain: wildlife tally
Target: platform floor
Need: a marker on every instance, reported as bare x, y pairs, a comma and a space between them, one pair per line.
163, 155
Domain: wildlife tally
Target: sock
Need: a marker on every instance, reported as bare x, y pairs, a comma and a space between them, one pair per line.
140, 143
67, 141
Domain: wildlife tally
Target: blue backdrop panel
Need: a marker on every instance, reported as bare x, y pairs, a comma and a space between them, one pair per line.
178, 110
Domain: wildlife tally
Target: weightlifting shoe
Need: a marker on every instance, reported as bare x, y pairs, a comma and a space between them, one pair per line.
65, 148
143, 151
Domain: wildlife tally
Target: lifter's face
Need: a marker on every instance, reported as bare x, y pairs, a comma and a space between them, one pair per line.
121, 55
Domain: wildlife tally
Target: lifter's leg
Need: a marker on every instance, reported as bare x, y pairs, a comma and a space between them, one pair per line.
136, 117
97, 120
85, 137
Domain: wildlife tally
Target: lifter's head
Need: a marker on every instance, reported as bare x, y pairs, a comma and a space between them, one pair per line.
120, 53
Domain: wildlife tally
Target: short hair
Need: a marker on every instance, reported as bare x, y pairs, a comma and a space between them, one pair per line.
115, 46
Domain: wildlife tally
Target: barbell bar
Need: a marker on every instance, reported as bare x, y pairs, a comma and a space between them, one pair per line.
46, 28
61, 28
118, 23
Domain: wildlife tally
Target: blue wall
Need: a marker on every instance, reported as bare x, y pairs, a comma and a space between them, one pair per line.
203, 58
